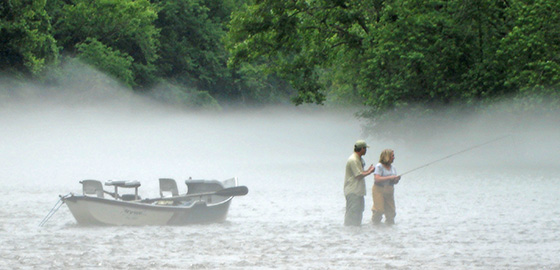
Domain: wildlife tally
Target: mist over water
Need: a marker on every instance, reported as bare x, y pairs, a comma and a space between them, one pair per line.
493, 207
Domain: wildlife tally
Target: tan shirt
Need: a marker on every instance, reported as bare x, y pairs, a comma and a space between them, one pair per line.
352, 184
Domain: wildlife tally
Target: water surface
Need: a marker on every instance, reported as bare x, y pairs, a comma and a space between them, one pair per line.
467, 212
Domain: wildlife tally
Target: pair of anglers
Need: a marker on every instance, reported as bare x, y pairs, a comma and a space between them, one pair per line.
385, 177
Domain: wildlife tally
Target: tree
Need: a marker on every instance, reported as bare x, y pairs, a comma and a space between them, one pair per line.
434, 53
191, 50
393, 53
112, 62
531, 50
27, 45
295, 39
125, 27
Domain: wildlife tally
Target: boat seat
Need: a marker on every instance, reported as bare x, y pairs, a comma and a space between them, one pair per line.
168, 185
92, 187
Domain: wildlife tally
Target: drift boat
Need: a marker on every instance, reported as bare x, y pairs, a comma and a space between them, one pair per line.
206, 201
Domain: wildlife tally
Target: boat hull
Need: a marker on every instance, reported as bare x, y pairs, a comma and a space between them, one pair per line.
100, 211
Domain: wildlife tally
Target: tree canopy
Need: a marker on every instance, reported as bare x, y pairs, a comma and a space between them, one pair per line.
383, 54
27, 45
400, 52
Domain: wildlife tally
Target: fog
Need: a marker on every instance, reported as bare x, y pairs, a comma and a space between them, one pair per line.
502, 137
72, 134
493, 203
91, 128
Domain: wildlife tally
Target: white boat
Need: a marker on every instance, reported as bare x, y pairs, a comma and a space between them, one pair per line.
206, 201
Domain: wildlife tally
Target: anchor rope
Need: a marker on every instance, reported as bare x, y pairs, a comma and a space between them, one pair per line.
55, 208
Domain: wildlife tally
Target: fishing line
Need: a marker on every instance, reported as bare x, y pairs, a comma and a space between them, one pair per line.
454, 154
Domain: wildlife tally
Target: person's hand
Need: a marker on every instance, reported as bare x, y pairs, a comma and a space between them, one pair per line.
371, 169
396, 179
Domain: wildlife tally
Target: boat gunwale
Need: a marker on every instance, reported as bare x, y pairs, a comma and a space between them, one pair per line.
140, 204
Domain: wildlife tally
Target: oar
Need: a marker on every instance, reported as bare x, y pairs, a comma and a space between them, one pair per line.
226, 192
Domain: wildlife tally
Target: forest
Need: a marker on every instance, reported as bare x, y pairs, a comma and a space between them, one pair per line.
380, 55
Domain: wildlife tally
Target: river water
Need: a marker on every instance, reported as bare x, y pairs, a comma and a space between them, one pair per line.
482, 209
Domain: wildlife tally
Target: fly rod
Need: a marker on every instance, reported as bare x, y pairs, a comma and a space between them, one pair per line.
454, 154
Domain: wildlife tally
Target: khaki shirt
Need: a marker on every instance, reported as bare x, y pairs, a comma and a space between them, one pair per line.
352, 184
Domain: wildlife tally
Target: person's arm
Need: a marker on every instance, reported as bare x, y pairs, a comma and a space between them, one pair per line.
380, 179
367, 172
359, 173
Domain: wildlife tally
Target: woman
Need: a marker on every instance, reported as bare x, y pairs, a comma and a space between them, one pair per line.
385, 176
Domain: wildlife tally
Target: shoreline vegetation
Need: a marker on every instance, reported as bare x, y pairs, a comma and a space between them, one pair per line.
392, 59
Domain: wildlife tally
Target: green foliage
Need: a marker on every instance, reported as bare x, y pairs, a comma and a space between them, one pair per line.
531, 50
191, 33
398, 53
104, 58
259, 87
294, 38
174, 94
122, 25
418, 54
385, 54
192, 53
26, 41
79, 82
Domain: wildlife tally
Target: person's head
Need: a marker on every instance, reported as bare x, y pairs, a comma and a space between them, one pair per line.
387, 157
360, 147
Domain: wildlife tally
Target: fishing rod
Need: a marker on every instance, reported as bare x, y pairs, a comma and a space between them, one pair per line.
454, 154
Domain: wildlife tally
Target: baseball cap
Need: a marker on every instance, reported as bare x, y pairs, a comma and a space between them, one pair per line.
361, 144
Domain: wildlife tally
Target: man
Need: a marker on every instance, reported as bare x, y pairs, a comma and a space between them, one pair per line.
355, 184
